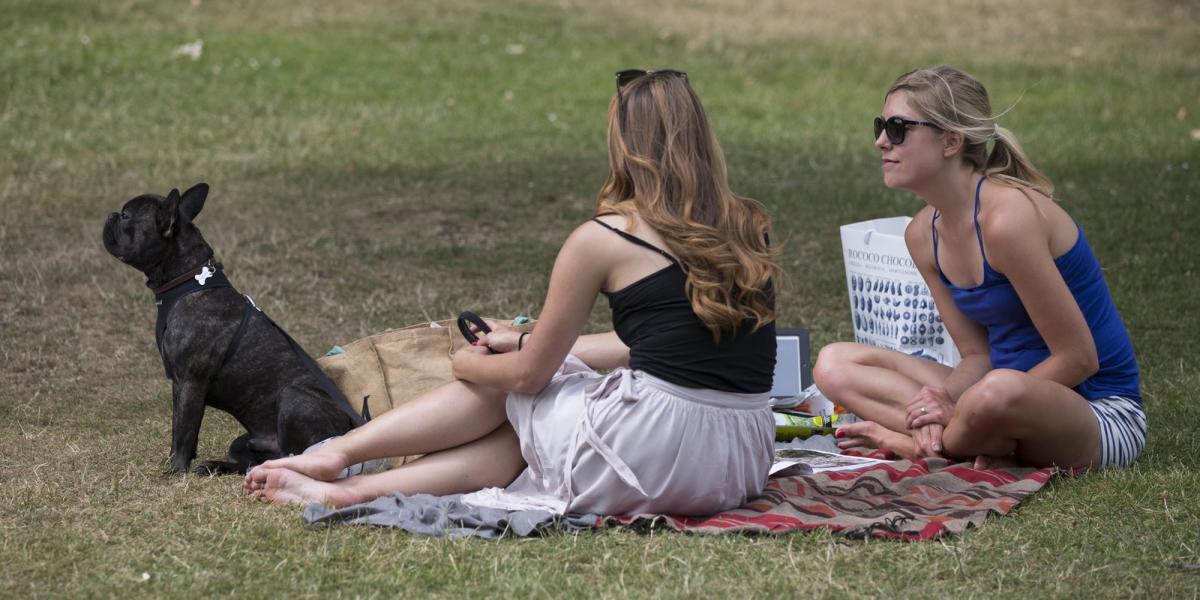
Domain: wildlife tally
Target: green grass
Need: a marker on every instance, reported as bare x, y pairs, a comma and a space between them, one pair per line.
377, 164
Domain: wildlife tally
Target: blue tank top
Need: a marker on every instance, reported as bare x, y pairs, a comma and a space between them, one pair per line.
1014, 342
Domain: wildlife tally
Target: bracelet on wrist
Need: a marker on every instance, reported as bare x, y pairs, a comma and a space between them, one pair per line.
521, 340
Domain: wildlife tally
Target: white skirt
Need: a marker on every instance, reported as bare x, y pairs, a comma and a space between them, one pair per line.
629, 442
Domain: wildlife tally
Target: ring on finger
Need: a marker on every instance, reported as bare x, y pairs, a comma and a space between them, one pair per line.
924, 410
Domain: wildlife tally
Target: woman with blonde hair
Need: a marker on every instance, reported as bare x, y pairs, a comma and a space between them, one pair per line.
1048, 374
681, 423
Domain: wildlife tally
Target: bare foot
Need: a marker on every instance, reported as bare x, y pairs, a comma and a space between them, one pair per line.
283, 486
869, 434
317, 465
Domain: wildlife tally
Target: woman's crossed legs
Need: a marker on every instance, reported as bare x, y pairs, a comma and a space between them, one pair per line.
1006, 415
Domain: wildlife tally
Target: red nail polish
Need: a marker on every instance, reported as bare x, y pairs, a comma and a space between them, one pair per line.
839, 433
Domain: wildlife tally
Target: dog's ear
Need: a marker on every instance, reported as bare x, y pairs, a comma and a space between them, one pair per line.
171, 213
192, 202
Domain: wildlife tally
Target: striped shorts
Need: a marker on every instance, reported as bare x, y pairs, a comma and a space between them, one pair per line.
1122, 430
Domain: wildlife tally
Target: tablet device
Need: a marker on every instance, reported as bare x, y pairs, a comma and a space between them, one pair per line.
793, 370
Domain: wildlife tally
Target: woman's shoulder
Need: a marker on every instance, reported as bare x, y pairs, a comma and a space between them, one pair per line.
613, 220
631, 224
1002, 195
920, 228
1009, 214
918, 236
601, 233
601, 229
1021, 217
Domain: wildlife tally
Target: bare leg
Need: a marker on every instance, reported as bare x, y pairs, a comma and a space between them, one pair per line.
449, 416
874, 383
1011, 413
493, 460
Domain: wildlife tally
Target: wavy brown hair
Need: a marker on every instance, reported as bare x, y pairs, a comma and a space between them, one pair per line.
665, 165
955, 101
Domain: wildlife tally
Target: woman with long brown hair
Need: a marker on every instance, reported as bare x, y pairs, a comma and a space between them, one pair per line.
1048, 374
680, 424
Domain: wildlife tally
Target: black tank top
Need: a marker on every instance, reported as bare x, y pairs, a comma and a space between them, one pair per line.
653, 317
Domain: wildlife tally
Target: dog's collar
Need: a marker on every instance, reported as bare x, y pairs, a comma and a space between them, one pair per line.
202, 272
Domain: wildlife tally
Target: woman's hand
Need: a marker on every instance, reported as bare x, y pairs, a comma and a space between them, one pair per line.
475, 349
931, 406
928, 414
929, 440
502, 338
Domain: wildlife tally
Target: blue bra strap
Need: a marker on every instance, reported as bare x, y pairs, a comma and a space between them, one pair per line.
978, 233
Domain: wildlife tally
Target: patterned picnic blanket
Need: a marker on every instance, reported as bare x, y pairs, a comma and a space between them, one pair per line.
908, 500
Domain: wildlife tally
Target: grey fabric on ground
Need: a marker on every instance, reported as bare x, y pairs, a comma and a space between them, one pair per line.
446, 516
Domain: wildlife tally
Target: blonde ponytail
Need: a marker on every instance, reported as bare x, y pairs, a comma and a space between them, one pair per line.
1008, 164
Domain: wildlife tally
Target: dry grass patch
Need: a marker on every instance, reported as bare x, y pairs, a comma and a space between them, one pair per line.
987, 32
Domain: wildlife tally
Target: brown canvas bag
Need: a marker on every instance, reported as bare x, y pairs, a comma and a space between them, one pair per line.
385, 370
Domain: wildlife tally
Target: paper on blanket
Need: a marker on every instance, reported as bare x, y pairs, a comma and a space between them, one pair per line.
807, 461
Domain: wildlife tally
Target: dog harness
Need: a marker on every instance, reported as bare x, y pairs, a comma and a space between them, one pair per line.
210, 276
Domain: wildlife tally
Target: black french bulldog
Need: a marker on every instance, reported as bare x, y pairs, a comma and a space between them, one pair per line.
217, 347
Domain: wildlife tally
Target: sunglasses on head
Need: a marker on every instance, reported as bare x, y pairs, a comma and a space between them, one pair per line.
627, 76
896, 127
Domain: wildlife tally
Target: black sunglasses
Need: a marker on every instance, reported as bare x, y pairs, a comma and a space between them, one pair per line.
896, 128
625, 77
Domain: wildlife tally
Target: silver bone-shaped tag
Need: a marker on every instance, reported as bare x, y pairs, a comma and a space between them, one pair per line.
203, 275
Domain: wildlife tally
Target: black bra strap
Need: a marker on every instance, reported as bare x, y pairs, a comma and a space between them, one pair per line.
637, 240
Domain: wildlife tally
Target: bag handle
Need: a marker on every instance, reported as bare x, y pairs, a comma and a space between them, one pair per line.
465, 319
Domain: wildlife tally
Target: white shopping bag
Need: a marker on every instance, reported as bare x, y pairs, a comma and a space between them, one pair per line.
889, 302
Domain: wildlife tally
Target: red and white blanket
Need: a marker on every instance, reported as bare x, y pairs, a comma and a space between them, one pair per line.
908, 500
